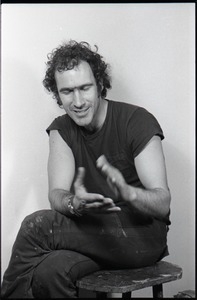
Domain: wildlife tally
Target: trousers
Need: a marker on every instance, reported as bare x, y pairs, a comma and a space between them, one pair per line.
52, 251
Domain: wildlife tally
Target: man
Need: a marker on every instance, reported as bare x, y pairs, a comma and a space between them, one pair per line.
107, 185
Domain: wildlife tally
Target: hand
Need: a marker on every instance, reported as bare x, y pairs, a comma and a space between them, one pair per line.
85, 202
114, 177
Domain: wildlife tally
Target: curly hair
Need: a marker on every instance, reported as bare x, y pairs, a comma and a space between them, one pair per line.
69, 55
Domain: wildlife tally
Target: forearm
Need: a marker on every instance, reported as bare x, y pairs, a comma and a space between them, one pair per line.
153, 202
59, 201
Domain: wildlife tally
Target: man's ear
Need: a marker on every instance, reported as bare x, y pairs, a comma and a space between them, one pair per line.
100, 88
59, 102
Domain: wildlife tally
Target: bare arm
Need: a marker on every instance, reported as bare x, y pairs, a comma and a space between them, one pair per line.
154, 200
61, 168
61, 171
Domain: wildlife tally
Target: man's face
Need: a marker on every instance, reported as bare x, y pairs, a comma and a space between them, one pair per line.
78, 92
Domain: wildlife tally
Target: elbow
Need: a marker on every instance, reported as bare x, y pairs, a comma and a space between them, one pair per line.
51, 199
163, 208
168, 199
166, 202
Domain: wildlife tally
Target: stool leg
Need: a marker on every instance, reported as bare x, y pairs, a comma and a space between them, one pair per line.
101, 295
77, 292
126, 295
157, 291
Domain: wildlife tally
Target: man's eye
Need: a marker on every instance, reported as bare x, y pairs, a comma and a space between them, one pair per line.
67, 92
85, 88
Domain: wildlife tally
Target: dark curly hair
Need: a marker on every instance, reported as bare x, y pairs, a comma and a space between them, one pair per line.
69, 55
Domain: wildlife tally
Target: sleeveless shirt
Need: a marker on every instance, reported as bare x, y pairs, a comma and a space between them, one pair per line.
126, 131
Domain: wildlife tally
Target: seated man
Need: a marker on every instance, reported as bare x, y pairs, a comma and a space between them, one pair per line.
110, 201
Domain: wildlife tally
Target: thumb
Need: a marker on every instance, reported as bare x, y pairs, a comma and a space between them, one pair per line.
101, 161
80, 177
104, 165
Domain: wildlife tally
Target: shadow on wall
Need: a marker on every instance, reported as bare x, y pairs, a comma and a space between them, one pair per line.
181, 243
180, 172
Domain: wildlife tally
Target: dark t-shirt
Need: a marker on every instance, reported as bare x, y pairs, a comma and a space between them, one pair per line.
124, 134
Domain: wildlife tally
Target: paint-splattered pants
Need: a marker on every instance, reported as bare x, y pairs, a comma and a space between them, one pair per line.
52, 251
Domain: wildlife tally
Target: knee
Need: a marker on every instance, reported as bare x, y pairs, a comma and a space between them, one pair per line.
38, 215
36, 219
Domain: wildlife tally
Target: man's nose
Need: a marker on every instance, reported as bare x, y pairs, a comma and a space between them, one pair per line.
78, 100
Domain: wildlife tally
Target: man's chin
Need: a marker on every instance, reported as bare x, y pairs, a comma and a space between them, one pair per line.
82, 122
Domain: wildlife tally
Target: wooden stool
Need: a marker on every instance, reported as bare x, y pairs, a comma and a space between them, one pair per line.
128, 280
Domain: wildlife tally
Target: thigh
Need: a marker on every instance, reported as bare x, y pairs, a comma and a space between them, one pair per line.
104, 238
146, 239
72, 263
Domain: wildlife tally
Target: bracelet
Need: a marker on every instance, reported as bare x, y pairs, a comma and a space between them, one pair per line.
71, 208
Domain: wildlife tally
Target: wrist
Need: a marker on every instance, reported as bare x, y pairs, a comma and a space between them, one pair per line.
129, 193
71, 208
78, 205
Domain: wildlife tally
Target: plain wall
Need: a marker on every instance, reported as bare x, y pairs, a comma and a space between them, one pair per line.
151, 51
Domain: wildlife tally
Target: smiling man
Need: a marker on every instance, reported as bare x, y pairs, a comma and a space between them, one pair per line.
78, 92
108, 190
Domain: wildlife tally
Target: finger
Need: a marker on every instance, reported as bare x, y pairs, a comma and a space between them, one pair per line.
80, 177
101, 161
93, 206
99, 208
113, 209
114, 176
106, 167
103, 164
88, 197
106, 203
108, 210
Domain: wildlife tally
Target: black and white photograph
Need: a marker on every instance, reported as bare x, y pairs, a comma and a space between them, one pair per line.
98, 150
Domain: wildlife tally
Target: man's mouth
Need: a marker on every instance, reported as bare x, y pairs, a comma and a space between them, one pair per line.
81, 112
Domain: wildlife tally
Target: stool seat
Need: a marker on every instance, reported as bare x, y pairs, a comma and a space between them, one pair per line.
127, 280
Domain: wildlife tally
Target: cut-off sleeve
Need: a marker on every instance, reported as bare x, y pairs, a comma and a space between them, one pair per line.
142, 126
62, 124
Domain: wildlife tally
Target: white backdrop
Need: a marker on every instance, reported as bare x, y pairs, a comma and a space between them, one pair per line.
151, 51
